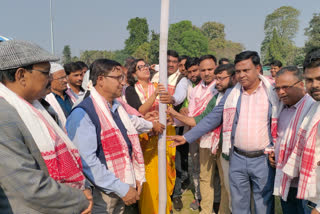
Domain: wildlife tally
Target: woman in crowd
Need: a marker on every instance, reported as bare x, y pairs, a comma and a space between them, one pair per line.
142, 95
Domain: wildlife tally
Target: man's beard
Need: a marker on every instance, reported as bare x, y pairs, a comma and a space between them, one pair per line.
197, 80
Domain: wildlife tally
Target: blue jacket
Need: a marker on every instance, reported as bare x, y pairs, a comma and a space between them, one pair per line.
215, 118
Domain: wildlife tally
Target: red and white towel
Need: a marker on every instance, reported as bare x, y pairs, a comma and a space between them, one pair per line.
230, 108
199, 98
143, 96
114, 145
60, 155
302, 161
287, 144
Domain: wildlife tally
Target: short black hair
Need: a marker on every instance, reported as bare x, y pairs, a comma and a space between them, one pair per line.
209, 56
223, 60
292, 69
225, 67
253, 55
9, 75
101, 67
276, 63
82, 64
72, 67
173, 53
183, 57
192, 61
312, 59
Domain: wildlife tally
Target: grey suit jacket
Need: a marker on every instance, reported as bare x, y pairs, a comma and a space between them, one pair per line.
25, 185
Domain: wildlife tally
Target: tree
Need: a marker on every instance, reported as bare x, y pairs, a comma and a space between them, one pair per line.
284, 22
142, 52
89, 56
213, 30
275, 50
139, 32
175, 34
193, 43
66, 58
313, 33
154, 48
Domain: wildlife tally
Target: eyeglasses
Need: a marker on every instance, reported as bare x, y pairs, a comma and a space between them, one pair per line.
285, 88
140, 67
220, 79
120, 78
60, 78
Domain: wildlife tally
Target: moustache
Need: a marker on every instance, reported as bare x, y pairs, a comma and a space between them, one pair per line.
312, 90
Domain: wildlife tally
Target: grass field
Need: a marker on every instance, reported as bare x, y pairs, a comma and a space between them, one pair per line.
187, 198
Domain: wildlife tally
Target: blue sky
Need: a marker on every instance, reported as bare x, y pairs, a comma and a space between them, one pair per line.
101, 24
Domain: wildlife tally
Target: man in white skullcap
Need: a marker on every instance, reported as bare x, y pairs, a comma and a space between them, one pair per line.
60, 98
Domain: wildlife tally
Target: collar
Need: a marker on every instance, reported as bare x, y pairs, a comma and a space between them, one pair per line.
64, 94
295, 106
115, 105
255, 91
203, 84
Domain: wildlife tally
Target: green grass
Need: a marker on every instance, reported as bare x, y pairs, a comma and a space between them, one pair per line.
187, 198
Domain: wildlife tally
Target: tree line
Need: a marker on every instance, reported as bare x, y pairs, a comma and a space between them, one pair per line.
280, 27
184, 37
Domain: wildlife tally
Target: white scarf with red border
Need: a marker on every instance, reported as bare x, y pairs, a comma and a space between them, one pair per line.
287, 144
143, 96
50, 98
201, 96
302, 162
58, 152
114, 145
172, 81
230, 109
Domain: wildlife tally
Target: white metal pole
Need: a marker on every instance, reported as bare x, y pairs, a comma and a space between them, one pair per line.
51, 24
163, 77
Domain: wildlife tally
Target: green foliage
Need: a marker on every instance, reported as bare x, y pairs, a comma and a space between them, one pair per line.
175, 34
139, 31
193, 43
275, 49
142, 52
89, 56
120, 56
224, 48
154, 48
299, 56
66, 58
213, 30
185, 38
284, 20
280, 28
313, 33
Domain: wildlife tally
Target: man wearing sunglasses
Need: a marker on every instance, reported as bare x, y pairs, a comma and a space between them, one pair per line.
290, 89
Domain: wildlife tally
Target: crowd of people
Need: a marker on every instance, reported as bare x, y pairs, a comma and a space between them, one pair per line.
84, 139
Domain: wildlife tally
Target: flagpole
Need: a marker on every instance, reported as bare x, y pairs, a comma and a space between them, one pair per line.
163, 77
51, 24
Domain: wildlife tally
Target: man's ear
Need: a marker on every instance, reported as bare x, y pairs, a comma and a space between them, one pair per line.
20, 76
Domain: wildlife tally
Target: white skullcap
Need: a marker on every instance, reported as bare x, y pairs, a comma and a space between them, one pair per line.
55, 67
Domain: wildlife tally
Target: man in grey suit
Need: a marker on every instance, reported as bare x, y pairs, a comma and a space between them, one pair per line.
29, 181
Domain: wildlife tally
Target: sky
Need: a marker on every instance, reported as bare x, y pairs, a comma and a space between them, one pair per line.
101, 24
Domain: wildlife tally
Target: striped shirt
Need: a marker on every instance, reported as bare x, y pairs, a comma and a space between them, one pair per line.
252, 129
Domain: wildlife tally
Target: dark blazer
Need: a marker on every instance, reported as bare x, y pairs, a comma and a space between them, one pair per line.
25, 185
